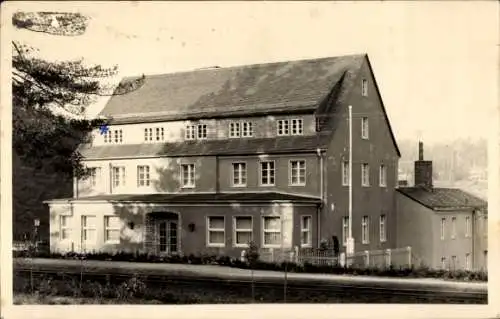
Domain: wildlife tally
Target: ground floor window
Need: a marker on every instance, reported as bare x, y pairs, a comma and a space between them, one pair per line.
272, 230
216, 233
89, 229
242, 230
65, 227
306, 231
112, 229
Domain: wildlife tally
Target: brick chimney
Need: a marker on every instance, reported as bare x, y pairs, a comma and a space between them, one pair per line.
423, 169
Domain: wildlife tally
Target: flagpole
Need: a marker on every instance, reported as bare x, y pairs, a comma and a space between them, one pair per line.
350, 241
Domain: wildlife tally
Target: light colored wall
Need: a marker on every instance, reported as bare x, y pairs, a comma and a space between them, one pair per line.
210, 172
191, 242
264, 126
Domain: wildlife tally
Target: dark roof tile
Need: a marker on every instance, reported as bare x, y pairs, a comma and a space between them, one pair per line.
443, 198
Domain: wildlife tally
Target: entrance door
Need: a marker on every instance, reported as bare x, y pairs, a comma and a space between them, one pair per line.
167, 241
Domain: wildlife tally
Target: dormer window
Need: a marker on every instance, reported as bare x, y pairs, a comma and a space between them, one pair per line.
113, 136
290, 127
240, 129
190, 132
364, 87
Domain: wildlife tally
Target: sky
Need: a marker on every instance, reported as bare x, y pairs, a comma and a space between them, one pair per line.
435, 62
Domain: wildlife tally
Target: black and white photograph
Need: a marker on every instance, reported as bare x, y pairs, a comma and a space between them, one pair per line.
249, 153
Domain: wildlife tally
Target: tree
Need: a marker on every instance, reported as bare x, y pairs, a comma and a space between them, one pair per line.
45, 144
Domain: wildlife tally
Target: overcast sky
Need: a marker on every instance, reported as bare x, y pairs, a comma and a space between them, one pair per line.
435, 62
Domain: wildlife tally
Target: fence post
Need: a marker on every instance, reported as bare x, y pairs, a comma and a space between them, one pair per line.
296, 254
388, 258
409, 256
342, 259
272, 254
367, 258
243, 255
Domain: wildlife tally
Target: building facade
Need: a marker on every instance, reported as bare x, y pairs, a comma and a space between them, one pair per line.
446, 227
209, 160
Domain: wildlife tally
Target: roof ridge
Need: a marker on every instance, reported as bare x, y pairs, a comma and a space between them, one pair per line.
242, 66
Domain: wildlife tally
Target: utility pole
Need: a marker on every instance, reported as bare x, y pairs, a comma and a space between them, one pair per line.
350, 240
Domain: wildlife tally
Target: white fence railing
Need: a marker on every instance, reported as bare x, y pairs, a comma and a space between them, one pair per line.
399, 257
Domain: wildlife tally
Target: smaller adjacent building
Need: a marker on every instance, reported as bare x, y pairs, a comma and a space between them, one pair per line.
446, 227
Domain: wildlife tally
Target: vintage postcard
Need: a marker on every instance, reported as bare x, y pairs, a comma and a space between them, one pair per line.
295, 159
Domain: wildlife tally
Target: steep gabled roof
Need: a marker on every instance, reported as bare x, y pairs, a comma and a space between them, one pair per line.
243, 90
440, 199
245, 146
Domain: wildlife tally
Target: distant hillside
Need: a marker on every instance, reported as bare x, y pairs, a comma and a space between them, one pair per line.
462, 163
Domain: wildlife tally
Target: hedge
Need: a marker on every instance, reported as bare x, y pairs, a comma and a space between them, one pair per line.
401, 272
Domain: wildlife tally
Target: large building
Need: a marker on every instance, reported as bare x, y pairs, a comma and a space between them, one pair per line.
446, 227
208, 160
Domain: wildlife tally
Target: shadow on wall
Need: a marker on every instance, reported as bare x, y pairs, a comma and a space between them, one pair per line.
169, 174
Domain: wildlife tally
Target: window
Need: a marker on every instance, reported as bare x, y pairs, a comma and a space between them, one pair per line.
118, 136
242, 231
365, 174
234, 129
345, 173
298, 173
239, 174
468, 228
297, 127
112, 229
272, 231
453, 227
345, 229
118, 176
148, 134
467, 261
383, 176
216, 231
159, 134
65, 227
240, 129
202, 131
443, 263
306, 231
190, 132
143, 176
383, 235
364, 87
88, 228
247, 129
443, 228
115, 136
187, 175
365, 236
95, 176
283, 127
267, 173
364, 128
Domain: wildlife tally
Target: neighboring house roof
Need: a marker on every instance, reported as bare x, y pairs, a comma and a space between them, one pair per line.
443, 198
204, 198
240, 146
242, 90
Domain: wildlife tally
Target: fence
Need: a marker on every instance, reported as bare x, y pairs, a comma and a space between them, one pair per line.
399, 257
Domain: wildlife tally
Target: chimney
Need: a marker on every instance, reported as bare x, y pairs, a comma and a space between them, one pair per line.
423, 169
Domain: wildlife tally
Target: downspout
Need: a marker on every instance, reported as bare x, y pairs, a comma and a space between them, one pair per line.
217, 182
110, 177
321, 190
473, 234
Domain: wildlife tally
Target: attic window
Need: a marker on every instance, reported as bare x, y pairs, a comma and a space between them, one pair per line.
364, 87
